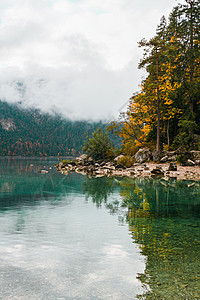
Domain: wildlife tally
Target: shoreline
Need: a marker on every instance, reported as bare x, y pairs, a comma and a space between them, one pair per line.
144, 170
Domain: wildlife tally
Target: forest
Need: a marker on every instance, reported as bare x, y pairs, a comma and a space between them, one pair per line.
165, 114
28, 132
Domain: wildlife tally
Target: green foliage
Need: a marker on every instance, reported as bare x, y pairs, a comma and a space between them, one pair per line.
99, 146
179, 158
127, 161
166, 112
186, 138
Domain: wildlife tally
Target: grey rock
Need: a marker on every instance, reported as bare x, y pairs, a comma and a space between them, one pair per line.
44, 172
82, 158
189, 163
171, 153
172, 158
157, 155
172, 167
159, 167
195, 154
164, 159
72, 163
120, 166
90, 160
157, 171
146, 168
143, 155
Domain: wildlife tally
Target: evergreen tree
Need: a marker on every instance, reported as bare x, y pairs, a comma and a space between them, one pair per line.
168, 105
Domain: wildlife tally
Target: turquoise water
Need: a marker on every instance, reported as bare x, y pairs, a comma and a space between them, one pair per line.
74, 237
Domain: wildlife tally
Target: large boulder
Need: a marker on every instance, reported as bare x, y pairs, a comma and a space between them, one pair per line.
195, 155
143, 155
188, 163
164, 159
157, 155
82, 159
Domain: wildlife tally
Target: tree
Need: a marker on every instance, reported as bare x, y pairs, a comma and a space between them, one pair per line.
170, 94
99, 146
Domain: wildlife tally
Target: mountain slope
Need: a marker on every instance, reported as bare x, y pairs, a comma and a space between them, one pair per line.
31, 133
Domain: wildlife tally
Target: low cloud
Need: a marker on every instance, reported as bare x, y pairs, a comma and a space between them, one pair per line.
92, 92
78, 58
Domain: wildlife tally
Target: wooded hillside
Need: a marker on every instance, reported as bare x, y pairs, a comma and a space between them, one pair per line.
31, 133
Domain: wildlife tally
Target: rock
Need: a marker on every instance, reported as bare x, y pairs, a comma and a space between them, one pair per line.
81, 159
136, 165
62, 164
109, 168
172, 158
79, 169
108, 164
90, 160
164, 159
195, 155
157, 155
197, 162
171, 153
72, 163
132, 173
172, 167
159, 167
157, 171
118, 157
143, 155
146, 168
44, 171
90, 169
120, 166
188, 163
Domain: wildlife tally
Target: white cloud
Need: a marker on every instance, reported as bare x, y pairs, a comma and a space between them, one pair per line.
77, 55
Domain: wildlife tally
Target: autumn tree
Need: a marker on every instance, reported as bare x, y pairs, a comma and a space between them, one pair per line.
169, 100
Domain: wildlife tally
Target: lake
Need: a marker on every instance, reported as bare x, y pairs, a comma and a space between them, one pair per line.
74, 237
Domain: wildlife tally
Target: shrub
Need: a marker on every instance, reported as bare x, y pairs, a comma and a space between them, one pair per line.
127, 161
99, 146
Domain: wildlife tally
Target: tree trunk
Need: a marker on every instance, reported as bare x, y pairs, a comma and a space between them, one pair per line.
158, 106
168, 141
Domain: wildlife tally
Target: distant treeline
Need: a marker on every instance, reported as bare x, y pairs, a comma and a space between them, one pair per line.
32, 133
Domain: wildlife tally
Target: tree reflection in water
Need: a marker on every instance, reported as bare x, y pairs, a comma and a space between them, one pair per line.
98, 189
104, 190
163, 218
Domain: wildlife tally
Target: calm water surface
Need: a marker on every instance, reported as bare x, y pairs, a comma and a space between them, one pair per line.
73, 237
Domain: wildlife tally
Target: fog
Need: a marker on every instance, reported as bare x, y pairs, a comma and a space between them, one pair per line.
76, 57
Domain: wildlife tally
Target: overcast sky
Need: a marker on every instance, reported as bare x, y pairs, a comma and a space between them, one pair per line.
76, 57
